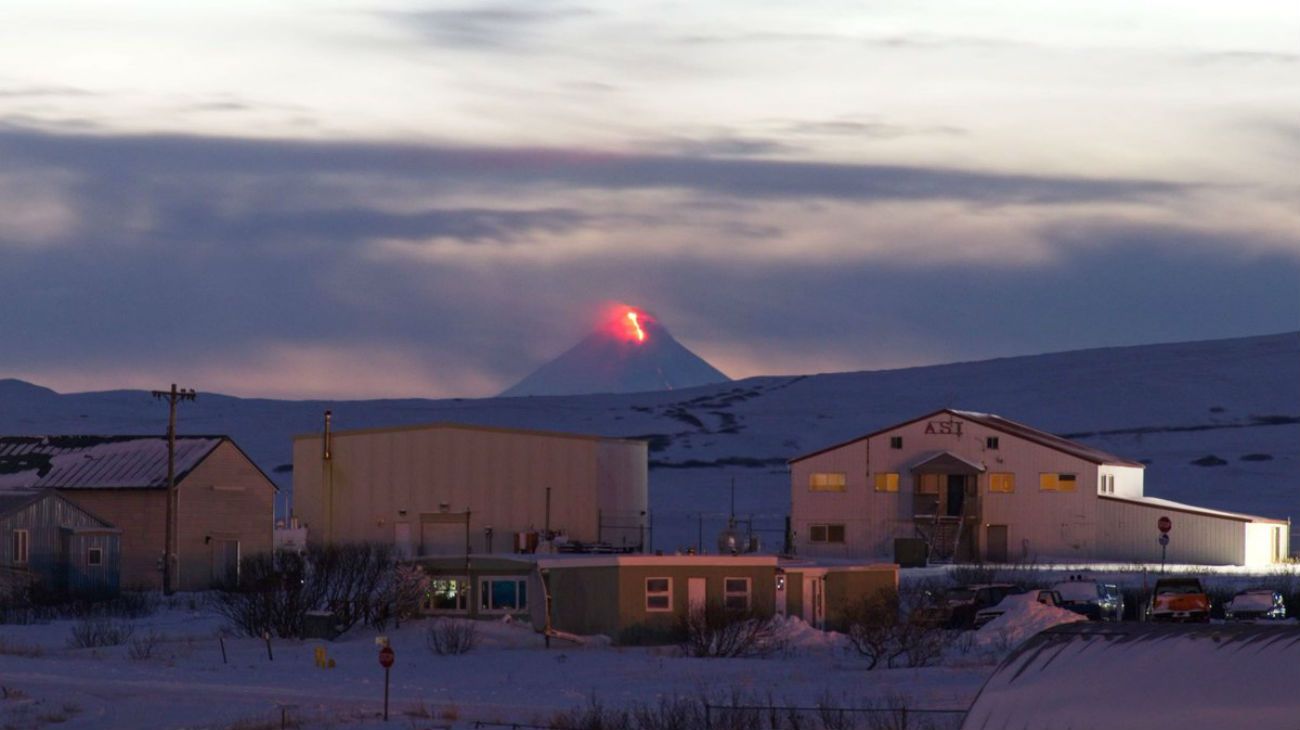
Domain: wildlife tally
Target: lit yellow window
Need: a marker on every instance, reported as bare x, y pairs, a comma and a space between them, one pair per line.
887, 482
1050, 482
827, 482
1002, 482
929, 484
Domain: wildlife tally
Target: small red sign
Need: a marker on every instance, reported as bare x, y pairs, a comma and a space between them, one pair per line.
386, 657
1165, 524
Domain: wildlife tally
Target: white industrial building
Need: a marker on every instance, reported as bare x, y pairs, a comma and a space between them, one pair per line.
976, 487
454, 489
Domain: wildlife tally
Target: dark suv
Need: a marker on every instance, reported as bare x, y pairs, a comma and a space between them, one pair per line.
1097, 601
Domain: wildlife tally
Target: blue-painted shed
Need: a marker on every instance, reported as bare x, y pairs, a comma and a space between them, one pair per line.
54, 545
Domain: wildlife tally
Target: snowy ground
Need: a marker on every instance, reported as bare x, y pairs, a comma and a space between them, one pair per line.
511, 676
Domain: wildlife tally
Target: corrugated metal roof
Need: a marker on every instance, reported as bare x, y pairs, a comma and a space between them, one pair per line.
97, 462
1122, 675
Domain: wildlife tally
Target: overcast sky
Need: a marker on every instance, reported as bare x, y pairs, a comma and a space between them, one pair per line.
330, 198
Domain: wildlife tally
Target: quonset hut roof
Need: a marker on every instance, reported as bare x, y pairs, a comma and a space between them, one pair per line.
1130, 675
97, 462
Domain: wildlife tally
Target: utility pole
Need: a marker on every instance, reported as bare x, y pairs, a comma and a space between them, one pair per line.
174, 396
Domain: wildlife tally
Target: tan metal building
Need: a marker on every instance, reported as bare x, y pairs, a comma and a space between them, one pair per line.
976, 486
225, 503
453, 489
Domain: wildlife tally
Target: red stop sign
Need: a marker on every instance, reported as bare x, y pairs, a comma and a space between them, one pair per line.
1165, 524
386, 657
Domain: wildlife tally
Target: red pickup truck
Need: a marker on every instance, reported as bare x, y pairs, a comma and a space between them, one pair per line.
1179, 599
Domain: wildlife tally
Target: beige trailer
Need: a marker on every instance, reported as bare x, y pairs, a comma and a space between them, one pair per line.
452, 489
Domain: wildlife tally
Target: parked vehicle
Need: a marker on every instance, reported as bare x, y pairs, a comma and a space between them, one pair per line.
1178, 599
966, 601
1255, 604
1046, 596
1096, 601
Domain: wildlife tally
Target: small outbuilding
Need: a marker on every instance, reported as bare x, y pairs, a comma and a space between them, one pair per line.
56, 548
645, 598
224, 506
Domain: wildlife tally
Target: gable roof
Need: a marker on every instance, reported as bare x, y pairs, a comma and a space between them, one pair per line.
17, 501
97, 462
1011, 428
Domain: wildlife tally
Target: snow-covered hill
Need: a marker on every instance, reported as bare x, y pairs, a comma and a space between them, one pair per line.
630, 352
1170, 405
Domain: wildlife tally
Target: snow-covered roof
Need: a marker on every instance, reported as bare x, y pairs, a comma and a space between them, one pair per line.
1169, 504
467, 427
97, 462
1011, 428
1117, 675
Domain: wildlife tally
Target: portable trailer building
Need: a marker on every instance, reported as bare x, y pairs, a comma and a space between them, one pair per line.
979, 487
224, 506
453, 489
56, 547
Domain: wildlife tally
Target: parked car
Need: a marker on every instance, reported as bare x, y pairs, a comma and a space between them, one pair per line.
1046, 596
1097, 601
1178, 599
966, 601
1254, 604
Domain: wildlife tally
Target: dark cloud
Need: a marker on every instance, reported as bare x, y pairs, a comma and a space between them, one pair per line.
155, 155
199, 249
502, 27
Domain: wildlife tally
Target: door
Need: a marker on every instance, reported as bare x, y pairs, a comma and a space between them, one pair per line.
441, 536
997, 544
956, 494
814, 602
225, 562
696, 595
402, 538
782, 606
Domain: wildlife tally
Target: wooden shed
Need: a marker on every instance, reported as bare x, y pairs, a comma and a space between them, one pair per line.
56, 547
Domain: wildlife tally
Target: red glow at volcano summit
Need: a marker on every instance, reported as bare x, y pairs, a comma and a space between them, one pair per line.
628, 323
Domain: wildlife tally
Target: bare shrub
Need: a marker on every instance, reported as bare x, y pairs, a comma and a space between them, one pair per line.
143, 647
452, 636
353, 582
98, 632
898, 627
716, 631
872, 626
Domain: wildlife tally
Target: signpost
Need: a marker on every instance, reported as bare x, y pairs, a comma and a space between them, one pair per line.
386, 661
1164, 524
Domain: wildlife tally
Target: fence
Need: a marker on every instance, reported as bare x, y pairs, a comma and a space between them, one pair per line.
891, 715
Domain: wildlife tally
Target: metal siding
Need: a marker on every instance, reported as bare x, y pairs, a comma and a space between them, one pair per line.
50, 558
868, 517
1127, 531
500, 476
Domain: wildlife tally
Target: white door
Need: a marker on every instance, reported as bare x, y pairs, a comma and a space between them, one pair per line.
814, 603
402, 538
696, 595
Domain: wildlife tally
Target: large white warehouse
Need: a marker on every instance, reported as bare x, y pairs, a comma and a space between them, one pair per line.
976, 486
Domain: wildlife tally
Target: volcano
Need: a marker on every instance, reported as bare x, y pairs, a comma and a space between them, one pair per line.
630, 352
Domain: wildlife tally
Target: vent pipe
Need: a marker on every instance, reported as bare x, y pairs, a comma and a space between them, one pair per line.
329, 416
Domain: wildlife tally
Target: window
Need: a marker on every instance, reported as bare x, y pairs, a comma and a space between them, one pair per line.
827, 481
1107, 483
95, 556
991, 442
658, 594
929, 484
20, 547
826, 533
1051, 482
735, 593
446, 595
503, 594
1004, 482
895, 442
887, 482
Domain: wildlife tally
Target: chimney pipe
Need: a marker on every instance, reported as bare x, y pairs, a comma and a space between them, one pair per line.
328, 440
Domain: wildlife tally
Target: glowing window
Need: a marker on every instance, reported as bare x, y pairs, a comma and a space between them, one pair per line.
928, 484
827, 481
1052, 482
446, 595
1004, 482
887, 482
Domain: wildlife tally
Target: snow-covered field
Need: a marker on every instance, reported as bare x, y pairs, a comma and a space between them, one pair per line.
511, 676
